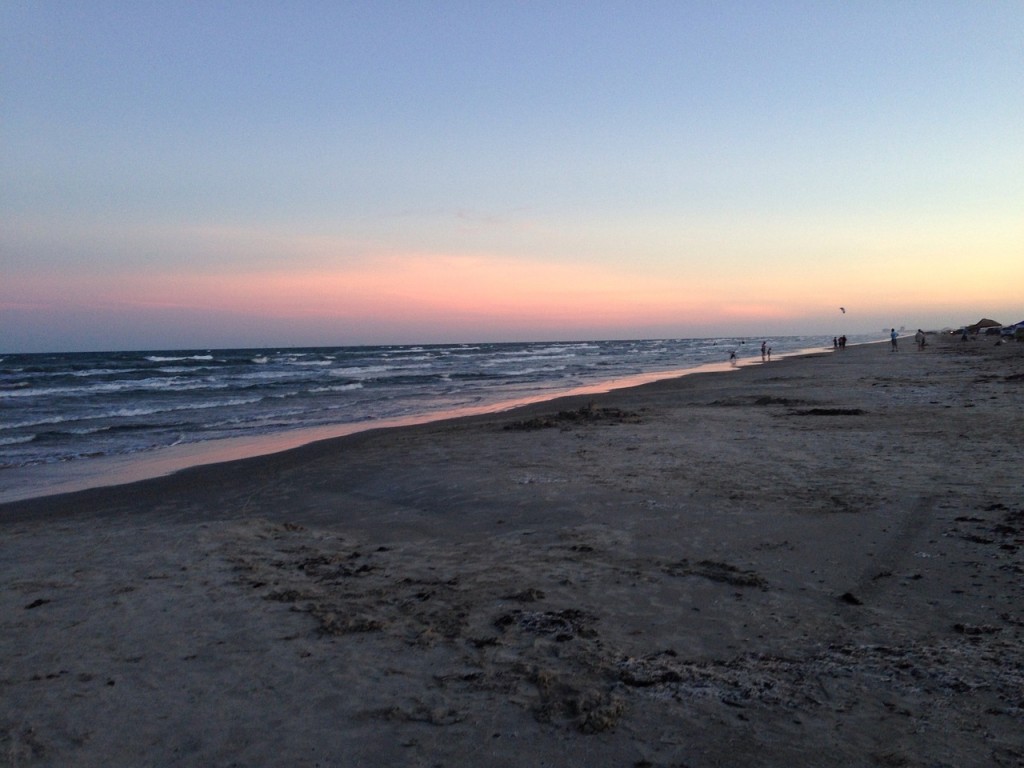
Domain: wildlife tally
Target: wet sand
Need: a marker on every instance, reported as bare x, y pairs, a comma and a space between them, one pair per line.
811, 562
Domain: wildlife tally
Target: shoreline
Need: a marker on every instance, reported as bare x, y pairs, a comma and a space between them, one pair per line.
814, 562
38, 481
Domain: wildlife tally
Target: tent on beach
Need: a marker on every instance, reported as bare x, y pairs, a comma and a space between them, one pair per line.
982, 324
1015, 331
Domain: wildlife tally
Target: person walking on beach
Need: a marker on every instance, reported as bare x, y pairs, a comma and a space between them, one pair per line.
919, 338
892, 337
763, 343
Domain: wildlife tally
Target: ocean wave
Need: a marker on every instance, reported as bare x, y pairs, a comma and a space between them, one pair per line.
135, 412
267, 376
367, 371
127, 413
190, 369
549, 354
531, 371
38, 422
17, 440
176, 384
384, 371
161, 359
102, 372
39, 391
339, 388
284, 395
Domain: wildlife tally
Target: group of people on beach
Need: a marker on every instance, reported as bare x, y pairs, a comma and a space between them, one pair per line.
766, 353
920, 339
839, 342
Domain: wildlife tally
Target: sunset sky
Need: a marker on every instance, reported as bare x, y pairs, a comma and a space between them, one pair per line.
236, 174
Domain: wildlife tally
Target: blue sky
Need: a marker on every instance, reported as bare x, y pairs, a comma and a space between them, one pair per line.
246, 174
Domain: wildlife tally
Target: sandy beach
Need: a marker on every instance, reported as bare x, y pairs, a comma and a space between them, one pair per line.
812, 562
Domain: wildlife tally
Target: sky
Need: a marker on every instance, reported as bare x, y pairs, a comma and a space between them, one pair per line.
243, 174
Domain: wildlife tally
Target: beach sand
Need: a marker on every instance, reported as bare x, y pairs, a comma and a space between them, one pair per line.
812, 562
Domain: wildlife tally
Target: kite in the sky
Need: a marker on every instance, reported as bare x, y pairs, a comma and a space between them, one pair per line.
843, 310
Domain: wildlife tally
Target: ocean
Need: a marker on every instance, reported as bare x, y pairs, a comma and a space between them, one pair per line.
75, 408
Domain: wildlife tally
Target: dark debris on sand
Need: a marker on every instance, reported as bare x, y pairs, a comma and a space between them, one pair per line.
716, 571
588, 414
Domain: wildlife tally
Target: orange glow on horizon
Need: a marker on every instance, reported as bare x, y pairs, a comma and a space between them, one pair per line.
473, 295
